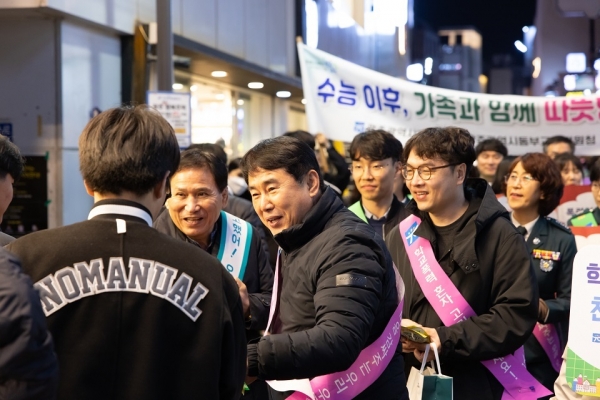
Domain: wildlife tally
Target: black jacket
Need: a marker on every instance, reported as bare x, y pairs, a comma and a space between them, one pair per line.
28, 366
149, 333
325, 326
258, 277
554, 283
491, 267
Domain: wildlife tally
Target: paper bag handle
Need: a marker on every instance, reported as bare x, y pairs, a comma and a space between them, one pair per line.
437, 358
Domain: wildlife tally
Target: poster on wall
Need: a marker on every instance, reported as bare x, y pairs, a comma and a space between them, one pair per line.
343, 99
28, 211
175, 108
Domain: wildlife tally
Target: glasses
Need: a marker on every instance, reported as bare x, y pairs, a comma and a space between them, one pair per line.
513, 178
376, 169
424, 171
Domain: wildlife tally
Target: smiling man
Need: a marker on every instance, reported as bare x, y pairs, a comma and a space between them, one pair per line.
335, 291
375, 167
469, 277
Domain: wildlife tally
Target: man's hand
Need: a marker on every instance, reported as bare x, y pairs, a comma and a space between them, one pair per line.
420, 347
408, 346
244, 296
542, 312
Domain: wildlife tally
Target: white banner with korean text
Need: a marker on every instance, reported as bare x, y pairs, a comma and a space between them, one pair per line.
343, 99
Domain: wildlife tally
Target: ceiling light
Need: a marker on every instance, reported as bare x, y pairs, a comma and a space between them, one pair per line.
284, 94
218, 74
177, 86
414, 72
240, 102
303, 101
220, 96
256, 85
193, 88
520, 46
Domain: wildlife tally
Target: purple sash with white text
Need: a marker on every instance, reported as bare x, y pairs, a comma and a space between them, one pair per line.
547, 336
450, 305
369, 365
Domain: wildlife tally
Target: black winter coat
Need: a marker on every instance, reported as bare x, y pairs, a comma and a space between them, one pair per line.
28, 366
491, 267
325, 326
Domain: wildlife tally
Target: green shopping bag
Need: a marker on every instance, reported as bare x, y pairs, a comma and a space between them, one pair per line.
426, 384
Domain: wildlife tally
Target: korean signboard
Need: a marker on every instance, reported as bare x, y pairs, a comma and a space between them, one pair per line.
344, 99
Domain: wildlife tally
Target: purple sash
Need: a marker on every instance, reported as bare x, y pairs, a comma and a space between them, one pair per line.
369, 365
547, 336
450, 305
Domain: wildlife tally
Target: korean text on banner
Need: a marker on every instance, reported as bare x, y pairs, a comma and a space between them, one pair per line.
343, 99
177, 110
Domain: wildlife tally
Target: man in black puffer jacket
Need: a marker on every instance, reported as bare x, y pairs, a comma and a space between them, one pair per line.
337, 284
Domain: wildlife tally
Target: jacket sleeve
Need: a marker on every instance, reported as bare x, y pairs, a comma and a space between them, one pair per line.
260, 302
26, 349
558, 308
233, 345
344, 316
512, 315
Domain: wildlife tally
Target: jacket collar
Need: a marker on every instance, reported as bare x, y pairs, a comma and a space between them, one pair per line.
464, 253
314, 222
118, 207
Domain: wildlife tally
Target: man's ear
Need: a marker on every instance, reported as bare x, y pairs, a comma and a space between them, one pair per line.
461, 173
88, 189
312, 180
160, 189
225, 196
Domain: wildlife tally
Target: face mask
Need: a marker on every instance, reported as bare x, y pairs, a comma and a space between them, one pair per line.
237, 185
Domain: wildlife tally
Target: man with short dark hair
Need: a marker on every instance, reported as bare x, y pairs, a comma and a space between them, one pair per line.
335, 294
471, 281
375, 166
490, 153
11, 168
134, 313
556, 145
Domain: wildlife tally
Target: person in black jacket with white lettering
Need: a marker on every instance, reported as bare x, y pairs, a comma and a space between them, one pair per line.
135, 314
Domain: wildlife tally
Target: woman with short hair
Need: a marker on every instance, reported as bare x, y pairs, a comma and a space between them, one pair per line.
534, 188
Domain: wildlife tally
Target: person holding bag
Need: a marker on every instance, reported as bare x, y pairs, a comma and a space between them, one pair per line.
469, 279
426, 384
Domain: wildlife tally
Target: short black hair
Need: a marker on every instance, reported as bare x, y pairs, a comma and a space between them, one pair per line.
303, 136
234, 164
595, 171
196, 158
128, 148
452, 144
558, 139
284, 152
211, 148
11, 160
375, 145
491, 145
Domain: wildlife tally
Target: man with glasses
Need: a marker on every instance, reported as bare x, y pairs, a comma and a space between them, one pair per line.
470, 280
375, 166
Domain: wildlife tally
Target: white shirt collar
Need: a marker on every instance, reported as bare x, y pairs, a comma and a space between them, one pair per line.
369, 215
120, 209
528, 226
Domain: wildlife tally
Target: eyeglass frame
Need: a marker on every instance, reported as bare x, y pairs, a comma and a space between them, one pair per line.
405, 170
520, 179
370, 168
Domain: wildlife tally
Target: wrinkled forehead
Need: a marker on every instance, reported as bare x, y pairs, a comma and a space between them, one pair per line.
259, 176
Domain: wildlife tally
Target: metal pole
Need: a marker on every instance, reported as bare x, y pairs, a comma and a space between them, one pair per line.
164, 46
592, 56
